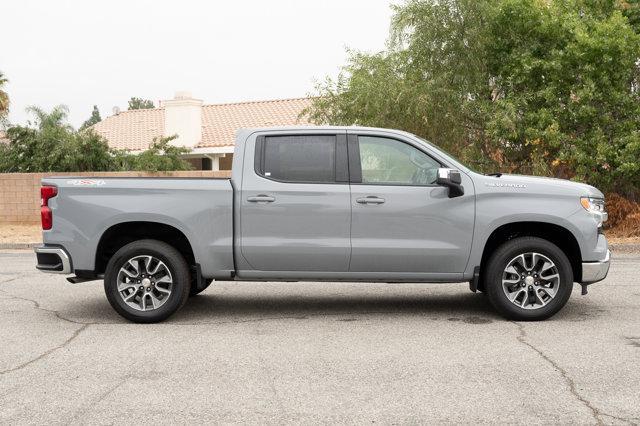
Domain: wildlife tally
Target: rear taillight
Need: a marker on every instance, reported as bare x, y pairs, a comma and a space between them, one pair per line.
46, 193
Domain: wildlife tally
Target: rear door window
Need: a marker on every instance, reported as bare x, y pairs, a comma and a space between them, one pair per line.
299, 159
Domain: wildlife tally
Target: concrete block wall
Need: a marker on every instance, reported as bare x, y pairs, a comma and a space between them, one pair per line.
20, 192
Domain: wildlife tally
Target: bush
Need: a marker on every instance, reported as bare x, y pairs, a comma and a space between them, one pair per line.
161, 156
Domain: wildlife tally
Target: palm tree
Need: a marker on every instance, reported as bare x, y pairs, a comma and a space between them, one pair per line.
55, 119
4, 97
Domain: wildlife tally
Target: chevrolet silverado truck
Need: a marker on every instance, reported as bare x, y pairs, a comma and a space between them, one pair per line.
333, 204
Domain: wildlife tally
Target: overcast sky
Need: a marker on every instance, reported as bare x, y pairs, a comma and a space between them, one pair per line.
81, 53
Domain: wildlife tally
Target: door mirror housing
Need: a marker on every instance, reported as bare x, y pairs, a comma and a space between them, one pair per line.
452, 179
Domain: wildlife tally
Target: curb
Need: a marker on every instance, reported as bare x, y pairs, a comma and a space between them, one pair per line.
18, 246
625, 247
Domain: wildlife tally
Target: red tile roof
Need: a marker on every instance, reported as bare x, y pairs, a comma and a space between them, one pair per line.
134, 130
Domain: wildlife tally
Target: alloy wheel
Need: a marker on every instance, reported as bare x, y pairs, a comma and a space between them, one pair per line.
530, 280
144, 283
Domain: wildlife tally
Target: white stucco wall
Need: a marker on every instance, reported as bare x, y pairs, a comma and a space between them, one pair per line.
183, 117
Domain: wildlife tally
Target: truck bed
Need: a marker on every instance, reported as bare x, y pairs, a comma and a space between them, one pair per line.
200, 208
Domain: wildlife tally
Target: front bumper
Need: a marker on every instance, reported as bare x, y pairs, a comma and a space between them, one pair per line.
53, 260
595, 271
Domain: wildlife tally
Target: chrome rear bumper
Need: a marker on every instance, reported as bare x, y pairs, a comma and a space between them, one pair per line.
595, 271
53, 260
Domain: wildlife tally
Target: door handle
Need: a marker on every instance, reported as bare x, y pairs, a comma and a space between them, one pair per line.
261, 199
371, 199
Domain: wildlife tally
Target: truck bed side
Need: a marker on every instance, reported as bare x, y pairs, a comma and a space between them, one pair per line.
201, 209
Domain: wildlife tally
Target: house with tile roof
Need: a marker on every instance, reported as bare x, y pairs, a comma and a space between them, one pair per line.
208, 130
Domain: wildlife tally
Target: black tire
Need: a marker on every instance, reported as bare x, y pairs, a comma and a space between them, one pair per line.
499, 261
174, 261
194, 291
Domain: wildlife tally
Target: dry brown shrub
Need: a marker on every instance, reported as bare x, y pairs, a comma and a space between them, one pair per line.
624, 216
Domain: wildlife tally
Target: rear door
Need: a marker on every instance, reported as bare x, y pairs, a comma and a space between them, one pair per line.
295, 203
402, 222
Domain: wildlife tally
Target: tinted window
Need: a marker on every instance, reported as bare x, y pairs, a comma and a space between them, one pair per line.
389, 161
299, 158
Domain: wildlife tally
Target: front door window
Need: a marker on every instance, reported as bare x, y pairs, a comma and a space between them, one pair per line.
387, 161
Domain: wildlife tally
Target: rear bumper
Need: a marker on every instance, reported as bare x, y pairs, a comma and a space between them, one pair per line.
54, 260
595, 271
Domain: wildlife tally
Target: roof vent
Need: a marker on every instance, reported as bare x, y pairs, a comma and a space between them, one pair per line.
116, 110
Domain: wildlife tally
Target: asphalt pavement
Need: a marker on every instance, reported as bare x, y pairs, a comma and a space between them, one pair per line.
273, 353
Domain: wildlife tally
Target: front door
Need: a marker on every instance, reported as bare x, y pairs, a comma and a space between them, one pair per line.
402, 222
295, 205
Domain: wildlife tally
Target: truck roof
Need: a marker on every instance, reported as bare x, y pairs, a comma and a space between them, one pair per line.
249, 130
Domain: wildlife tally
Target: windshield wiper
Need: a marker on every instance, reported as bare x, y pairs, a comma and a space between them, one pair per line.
495, 174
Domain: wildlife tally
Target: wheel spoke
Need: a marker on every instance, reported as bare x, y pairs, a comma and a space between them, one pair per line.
164, 279
542, 302
545, 267
123, 286
154, 300
162, 290
512, 270
128, 273
522, 262
130, 297
514, 295
146, 262
143, 302
551, 291
156, 265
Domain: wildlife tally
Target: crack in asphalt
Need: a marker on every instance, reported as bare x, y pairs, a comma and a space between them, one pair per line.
573, 389
37, 306
48, 351
98, 399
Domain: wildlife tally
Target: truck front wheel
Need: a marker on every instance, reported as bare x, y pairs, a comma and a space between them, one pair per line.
147, 281
528, 279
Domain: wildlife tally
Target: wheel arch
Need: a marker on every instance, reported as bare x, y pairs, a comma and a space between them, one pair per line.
121, 234
556, 234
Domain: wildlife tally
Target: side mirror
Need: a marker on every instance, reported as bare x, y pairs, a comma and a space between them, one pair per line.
452, 179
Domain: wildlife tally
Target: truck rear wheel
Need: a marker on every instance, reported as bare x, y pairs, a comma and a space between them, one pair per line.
147, 281
528, 279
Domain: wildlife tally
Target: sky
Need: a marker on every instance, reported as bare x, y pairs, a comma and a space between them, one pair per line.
84, 53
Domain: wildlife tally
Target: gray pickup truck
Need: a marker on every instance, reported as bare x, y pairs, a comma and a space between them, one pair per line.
333, 204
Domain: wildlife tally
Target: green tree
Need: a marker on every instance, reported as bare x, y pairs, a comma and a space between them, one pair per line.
139, 103
543, 87
95, 118
49, 143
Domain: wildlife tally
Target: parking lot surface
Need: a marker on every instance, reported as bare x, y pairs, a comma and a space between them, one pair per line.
316, 353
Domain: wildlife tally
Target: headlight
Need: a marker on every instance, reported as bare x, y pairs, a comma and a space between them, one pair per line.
592, 205
595, 206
